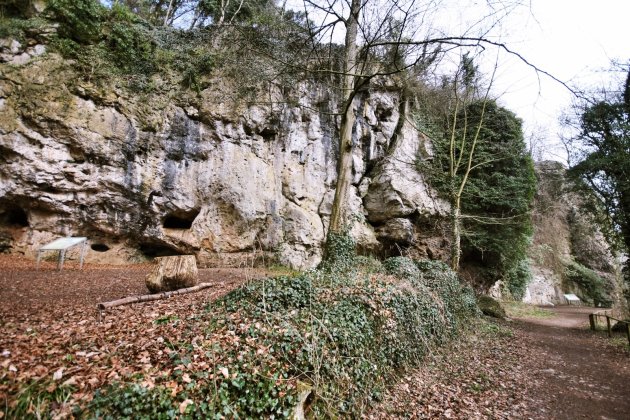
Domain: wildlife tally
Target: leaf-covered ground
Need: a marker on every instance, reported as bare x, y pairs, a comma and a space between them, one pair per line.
51, 333
543, 365
530, 368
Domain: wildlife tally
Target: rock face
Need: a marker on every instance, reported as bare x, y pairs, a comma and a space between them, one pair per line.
564, 233
144, 176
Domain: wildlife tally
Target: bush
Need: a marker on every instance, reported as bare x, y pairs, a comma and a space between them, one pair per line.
341, 330
491, 307
80, 20
517, 278
593, 288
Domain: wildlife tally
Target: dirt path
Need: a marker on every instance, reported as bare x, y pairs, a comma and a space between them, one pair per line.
528, 368
578, 373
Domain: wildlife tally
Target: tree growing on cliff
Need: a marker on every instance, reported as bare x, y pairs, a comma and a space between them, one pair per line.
482, 166
381, 38
601, 149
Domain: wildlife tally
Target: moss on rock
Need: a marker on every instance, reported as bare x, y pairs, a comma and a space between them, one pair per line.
491, 307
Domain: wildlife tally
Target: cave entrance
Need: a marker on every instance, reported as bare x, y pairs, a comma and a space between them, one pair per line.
152, 250
180, 220
99, 247
14, 216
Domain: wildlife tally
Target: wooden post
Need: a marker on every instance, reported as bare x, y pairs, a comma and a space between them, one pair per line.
39, 257
628, 332
608, 326
591, 320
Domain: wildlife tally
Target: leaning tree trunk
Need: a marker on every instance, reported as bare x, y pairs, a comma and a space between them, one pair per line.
172, 273
338, 214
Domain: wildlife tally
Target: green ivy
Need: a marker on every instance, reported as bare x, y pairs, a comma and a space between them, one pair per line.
343, 330
593, 288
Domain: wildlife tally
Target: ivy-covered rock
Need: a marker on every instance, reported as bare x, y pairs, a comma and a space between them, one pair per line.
342, 331
491, 307
402, 267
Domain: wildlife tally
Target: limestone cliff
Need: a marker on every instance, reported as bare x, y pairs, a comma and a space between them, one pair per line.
565, 239
145, 175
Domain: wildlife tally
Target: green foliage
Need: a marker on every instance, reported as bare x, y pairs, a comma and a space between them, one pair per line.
497, 198
340, 252
80, 20
519, 309
38, 399
133, 401
401, 267
17, 28
518, 277
342, 330
113, 44
593, 287
603, 163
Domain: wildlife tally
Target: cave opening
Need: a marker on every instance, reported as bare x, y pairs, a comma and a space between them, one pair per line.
14, 216
152, 250
99, 247
180, 220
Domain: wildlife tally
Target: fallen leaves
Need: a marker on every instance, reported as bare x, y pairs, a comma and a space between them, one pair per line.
50, 329
476, 376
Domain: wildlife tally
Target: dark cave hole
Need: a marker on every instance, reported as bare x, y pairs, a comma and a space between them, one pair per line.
99, 247
180, 220
14, 216
157, 250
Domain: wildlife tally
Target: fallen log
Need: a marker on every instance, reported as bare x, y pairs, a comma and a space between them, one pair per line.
147, 298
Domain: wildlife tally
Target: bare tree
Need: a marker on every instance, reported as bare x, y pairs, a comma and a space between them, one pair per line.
384, 38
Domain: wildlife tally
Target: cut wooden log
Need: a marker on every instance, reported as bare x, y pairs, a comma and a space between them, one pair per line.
147, 298
172, 273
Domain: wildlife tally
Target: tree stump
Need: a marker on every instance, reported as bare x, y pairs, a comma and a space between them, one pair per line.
172, 273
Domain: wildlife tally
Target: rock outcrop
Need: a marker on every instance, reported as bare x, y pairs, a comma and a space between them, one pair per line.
564, 234
150, 175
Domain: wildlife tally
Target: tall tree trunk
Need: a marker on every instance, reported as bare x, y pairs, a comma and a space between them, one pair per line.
456, 236
168, 13
338, 216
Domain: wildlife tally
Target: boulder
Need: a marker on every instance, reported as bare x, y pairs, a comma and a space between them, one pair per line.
491, 307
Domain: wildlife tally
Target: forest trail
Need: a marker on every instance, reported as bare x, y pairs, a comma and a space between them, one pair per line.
578, 373
549, 367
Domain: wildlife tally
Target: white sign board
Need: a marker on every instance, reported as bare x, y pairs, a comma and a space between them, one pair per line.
571, 298
63, 243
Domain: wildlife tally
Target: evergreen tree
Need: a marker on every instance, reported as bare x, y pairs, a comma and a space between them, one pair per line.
492, 191
604, 161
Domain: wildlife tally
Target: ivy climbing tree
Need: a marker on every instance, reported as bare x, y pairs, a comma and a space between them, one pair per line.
482, 167
601, 150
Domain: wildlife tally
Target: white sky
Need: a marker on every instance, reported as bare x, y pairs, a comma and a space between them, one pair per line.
575, 40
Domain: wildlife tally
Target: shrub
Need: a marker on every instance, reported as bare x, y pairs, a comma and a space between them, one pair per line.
341, 330
593, 287
80, 20
517, 278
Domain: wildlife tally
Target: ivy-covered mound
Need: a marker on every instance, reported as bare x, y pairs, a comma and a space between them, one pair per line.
336, 334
